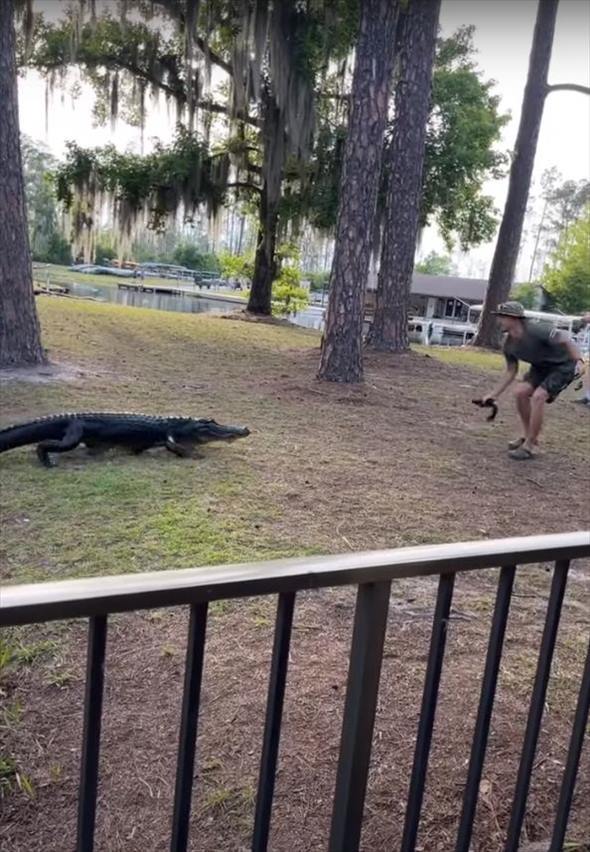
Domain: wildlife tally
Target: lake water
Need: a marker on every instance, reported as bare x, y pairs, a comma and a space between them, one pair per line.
311, 317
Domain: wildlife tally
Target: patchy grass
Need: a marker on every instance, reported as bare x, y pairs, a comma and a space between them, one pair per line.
403, 459
464, 356
121, 513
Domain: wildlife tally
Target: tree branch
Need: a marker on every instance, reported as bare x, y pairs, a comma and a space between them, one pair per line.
174, 8
568, 87
115, 62
214, 57
209, 106
242, 184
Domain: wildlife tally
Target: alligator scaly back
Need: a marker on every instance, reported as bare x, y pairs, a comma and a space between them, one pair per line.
58, 433
52, 426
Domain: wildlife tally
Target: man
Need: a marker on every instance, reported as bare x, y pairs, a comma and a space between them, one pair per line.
552, 357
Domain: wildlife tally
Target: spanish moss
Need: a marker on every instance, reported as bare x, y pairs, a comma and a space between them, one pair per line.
135, 192
24, 12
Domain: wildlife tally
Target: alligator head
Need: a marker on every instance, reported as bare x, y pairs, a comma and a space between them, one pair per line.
205, 430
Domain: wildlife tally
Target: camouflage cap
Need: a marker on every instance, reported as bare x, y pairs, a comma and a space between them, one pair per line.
510, 309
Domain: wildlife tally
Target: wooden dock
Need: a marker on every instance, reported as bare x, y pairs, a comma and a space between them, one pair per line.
178, 291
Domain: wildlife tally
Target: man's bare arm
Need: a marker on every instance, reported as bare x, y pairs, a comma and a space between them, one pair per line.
509, 376
571, 348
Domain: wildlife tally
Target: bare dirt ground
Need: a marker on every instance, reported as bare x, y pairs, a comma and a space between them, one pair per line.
404, 459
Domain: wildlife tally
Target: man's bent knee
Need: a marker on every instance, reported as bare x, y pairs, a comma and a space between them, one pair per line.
523, 390
540, 396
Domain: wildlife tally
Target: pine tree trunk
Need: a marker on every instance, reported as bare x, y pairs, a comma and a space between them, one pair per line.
416, 43
20, 341
265, 265
341, 357
507, 247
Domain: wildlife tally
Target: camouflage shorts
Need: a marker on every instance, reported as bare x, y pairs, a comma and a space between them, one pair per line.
552, 379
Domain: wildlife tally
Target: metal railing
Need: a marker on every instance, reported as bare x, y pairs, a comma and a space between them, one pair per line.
372, 573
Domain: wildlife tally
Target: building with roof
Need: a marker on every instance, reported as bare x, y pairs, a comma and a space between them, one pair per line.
438, 296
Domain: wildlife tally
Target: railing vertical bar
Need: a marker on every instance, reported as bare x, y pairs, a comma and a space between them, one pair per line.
537, 703
97, 637
428, 710
573, 759
486, 703
366, 656
195, 652
272, 726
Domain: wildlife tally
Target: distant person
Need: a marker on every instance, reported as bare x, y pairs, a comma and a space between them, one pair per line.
552, 357
585, 398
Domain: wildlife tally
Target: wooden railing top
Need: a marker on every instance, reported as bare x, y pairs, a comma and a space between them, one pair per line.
25, 604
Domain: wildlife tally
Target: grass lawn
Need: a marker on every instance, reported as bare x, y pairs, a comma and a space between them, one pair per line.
403, 459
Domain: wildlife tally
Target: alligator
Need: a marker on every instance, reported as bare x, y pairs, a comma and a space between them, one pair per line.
59, 433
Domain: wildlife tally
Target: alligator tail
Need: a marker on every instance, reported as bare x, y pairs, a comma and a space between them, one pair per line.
29, 433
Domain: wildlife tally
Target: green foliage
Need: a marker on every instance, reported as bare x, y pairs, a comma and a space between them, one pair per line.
318, 281
105, 249
173, 246
47, 243
183, 174
435, 264
527, 294
189, 254
314, 193
119, 59
465, 123
124, 60
288, 296
236, 267
58, 250
567, 276
566, 201
562, 202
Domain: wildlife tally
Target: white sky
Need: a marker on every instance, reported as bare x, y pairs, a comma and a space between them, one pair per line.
503, 36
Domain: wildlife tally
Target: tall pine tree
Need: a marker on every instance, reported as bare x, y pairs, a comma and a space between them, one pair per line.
404, 166
20, 341
341, 356
510, 233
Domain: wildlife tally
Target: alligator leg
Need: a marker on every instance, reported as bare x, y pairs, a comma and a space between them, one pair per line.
176, 448
138, 449
72, 437
96, 449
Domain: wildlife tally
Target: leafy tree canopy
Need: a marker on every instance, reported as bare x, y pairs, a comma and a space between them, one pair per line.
291, 50
567, 276
46, 240
141, 190
464, 127
128, 61
527, 294
435, 264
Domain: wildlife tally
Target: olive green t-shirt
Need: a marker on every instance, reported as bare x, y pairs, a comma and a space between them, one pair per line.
540, 345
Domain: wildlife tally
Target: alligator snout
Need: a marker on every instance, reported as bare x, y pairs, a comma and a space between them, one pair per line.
240, 432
